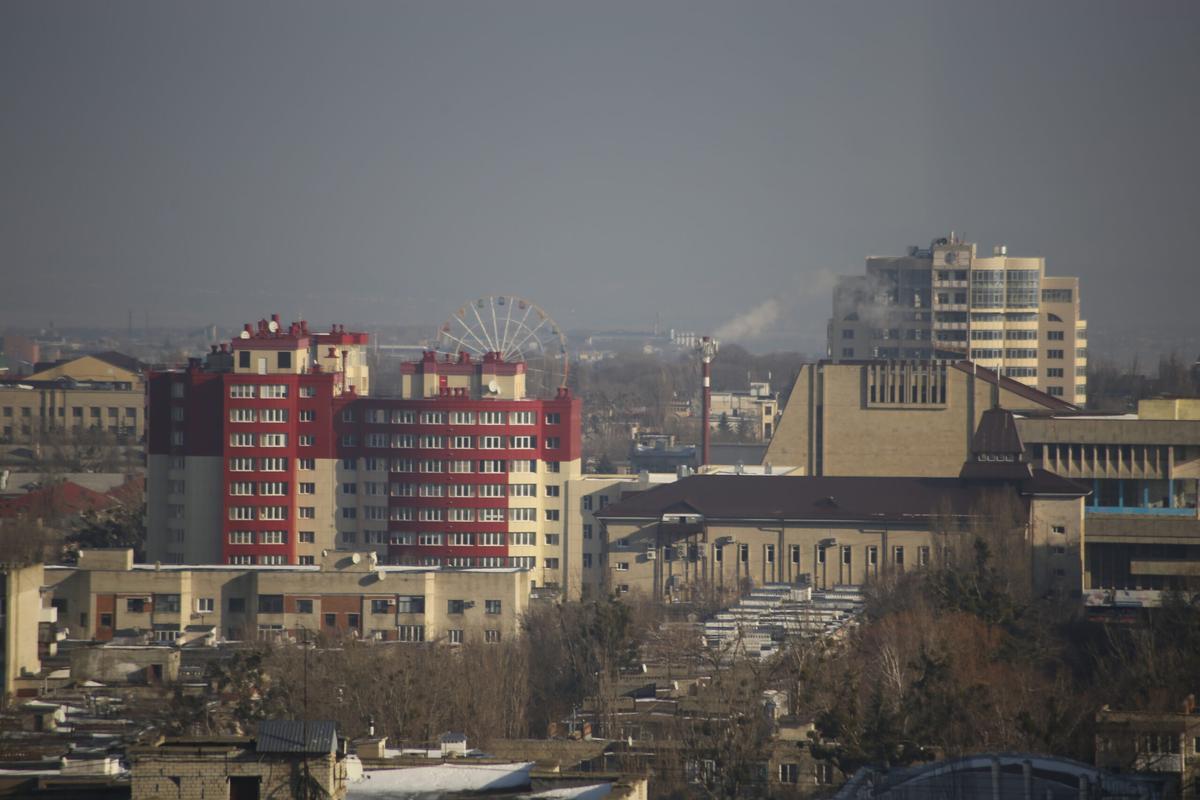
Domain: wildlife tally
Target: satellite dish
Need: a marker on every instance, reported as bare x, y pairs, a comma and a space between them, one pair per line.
273, 326
493, 386
245, 334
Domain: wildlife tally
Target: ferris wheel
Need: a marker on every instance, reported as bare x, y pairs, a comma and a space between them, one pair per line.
517, 329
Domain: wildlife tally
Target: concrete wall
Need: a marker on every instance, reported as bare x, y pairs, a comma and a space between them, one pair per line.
20, 592
116, 664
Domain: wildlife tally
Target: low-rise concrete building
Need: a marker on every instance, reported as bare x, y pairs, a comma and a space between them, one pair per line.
346, 594
20, 614
286, 758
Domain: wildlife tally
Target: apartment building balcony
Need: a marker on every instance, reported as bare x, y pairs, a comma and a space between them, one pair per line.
949, 326
950, 306
951, 284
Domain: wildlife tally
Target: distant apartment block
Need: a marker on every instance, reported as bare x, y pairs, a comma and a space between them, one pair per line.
272, 451
946, 301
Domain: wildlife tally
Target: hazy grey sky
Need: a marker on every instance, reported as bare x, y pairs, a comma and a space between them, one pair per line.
384, 162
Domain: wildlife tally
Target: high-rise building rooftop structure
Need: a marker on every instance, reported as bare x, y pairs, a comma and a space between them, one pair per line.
1002, 312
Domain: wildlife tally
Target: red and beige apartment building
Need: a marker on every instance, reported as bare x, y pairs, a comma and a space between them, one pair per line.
272, 451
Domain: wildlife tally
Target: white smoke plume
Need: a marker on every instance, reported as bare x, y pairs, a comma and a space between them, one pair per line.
753, 323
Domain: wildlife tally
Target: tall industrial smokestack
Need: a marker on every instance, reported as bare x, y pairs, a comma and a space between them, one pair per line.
708, 349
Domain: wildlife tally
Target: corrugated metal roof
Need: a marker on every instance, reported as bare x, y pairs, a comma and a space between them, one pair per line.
296, 736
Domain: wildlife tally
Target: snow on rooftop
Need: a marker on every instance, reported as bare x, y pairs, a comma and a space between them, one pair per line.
434, 781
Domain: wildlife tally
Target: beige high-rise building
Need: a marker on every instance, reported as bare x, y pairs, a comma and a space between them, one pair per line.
1002, 312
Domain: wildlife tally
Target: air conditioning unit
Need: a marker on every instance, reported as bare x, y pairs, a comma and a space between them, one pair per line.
651, 555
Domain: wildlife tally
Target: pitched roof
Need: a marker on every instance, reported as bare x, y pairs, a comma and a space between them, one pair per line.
788, 497
120, 360
61, 499
296, 736
1016, 387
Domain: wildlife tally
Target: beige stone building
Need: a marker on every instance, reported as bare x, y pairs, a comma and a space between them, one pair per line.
947, 301
346, 594
104, 392
892, 418
722, 532
20, 614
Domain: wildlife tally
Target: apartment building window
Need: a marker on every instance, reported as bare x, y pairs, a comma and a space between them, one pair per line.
308, 391
462, 417
272, 512
176, 436
455, 636
1055, 391
274, 415
491, 442
1019, 335
306, 512
491, 606
898, 556
276, 561
430, 539
433, 442
551, 466
431, 515
307, 488
587, 560
349, 440
553, 539
551, 563
379, 606
1059, 529
622, 566
349, 513
456, 606
239, 488
491, 490
553, 442
515, 514
432, 490
1054, 372
273, 465
552, 490
491, 636
273, 440
235, 414
433, 467
587, 530
404, 440
242, 391
242, 560
522, 539
1055, 336
376, 440
462, 467
274, 391
241, 512
554, 418
349, 537
789, 773
205, 605
744, 553
241, 440
272, 537
308, 415
270, 604
241, 537
1081, 353
1054, 354
307, 537
491, 417
306, 561
400, 514
463, 442
274, 488
1020, 352
846, 555
522, 442
923, 556
411, 633
1056, 295
462, 539
403, 490
552, 515
411, 604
